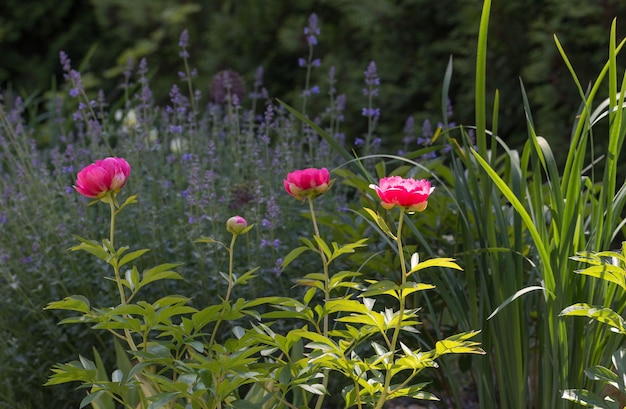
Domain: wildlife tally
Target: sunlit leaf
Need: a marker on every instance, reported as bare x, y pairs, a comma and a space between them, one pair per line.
323, 246
380, 222
607, 272
600, 314
316, 389
435, 262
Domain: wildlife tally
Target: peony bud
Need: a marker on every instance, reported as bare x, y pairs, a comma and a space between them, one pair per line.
236, 224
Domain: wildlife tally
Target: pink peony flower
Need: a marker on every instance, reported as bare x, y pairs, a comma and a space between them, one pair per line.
305, 183
412, 194
104, 176
236, 224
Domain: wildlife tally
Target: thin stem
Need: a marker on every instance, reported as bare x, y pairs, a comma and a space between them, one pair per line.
396, 332
320, 399
231, 251
116, 269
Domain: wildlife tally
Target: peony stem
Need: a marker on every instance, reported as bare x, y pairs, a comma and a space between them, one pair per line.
116, 270
396, 332
231, 252
320, 399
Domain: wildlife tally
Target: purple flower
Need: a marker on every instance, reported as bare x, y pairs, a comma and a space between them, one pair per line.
277, 268
65, 61
183, 43
312, 30
371, 112
371, 74
427, 130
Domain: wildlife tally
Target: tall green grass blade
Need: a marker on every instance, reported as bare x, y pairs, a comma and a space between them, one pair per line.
526, 217
481, 74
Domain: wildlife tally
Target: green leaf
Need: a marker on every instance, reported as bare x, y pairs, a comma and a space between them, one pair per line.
600, 314
316, 389
160, 272
619, 361
586, 398
247, 276
339, 280
513, 298
345, 249
92, 398
93, 247
162, 400
131, 256
206, 316
380, 222
411, 287
71, 303
245, 404
459, 344
308, 296
293, 254
130, 200
443, 262
381, 287
323, 246
207, 240
607, 272
600, 373
132, 278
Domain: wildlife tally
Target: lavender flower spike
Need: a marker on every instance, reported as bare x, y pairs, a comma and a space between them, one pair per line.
312, 30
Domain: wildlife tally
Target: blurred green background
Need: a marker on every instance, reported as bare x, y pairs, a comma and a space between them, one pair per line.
410, 40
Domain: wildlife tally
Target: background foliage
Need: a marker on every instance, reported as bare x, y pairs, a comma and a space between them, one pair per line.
410, 40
